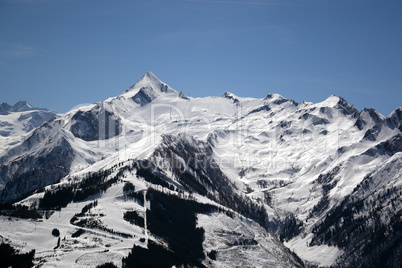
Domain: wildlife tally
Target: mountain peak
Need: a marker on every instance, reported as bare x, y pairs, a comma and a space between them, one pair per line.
274, 96
276, 99
334, 100
148, 88
150, 80
20, 106
331, 101
396, 113
394, 119
339, 103
151, 75
231, 96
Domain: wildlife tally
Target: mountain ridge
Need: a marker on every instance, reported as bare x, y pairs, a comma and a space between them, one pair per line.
290, 168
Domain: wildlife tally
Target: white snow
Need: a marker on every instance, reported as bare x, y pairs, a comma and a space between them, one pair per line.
269, 145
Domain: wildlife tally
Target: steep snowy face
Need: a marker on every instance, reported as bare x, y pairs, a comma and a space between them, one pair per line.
42, 159
18, 120
384, 129
368, 117
367, 220
96, 124
144, 96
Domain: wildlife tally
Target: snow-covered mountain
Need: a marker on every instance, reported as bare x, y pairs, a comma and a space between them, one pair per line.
17, 121
209, 182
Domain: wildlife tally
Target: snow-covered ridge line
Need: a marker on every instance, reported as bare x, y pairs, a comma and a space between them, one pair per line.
290, 167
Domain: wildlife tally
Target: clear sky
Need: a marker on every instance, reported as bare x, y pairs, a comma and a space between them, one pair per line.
62, 53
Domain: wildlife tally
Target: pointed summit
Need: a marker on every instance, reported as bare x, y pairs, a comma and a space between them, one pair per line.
394, 119
150, 75
331, 101
148, 88
149, 80
21, 106
339, 103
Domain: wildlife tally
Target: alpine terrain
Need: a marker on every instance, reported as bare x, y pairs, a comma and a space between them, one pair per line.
155, 178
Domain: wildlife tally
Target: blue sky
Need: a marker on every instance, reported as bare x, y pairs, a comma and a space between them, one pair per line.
62, 53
